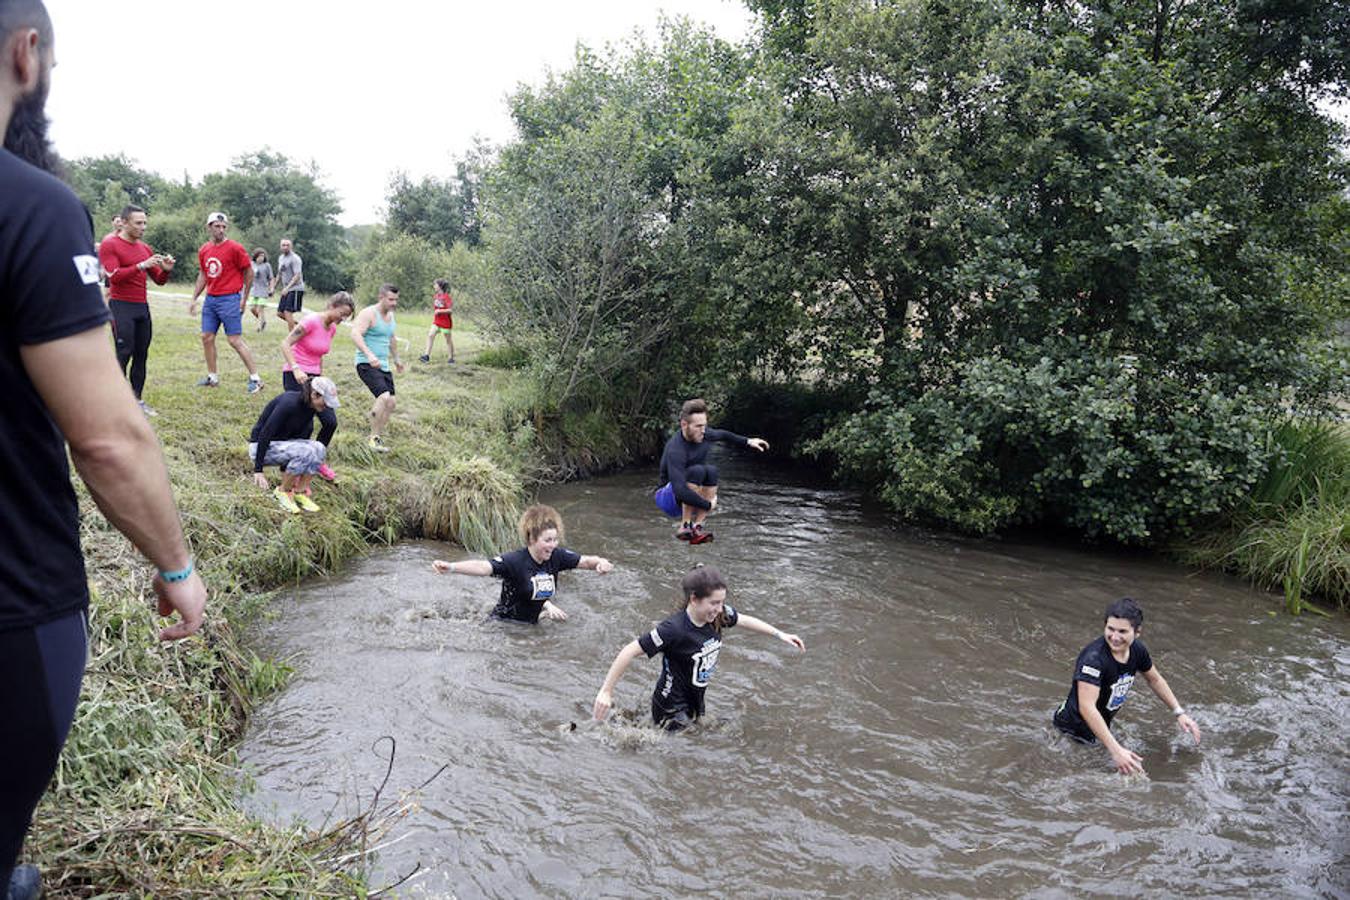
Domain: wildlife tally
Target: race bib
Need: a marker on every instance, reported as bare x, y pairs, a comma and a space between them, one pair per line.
1119, 692
705, 662
541, 587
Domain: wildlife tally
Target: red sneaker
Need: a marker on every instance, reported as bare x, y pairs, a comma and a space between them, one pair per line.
685, 532
327, 473
700, 536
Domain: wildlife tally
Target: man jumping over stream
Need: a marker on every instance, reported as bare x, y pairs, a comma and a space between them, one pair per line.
688, 481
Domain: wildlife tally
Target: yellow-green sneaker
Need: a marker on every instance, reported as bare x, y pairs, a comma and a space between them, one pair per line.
287, 501
305, 503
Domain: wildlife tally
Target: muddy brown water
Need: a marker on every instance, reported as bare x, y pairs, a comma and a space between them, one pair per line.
907, 753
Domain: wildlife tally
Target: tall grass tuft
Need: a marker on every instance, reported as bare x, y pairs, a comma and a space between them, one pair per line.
1293, 533
475, 500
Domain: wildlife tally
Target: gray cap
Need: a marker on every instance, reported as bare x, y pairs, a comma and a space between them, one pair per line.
325, 388
217, 217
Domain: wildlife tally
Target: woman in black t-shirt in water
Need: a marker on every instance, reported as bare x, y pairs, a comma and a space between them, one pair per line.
689, 642
530, 575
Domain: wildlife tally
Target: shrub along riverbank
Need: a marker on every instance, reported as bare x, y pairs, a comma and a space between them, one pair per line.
143, 801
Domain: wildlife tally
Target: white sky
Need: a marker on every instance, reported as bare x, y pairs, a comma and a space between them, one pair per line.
363, 89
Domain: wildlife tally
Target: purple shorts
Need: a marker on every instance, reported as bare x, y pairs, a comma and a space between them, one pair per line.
666, 502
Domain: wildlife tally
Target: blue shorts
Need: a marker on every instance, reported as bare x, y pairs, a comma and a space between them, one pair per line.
666, 502
221, 310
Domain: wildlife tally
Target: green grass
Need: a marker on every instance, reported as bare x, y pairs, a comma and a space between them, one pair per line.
143, 802
1293, 533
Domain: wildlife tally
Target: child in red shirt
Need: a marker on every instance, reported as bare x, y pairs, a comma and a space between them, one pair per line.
442, 322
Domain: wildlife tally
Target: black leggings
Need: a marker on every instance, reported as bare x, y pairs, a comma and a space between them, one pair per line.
40, 669
132, 328
327, 418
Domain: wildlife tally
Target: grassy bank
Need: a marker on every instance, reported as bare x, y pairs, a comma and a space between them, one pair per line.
143, 802
1293, 533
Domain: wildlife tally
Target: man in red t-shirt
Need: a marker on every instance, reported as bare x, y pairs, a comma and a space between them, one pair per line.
128, 260
224, 268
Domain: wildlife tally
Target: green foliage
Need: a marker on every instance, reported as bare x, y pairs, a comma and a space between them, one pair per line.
1293, 532
180, 233
408, 262
442, 212
594, 226
108, 183
268, 197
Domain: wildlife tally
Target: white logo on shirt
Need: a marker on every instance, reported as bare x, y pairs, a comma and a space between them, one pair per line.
212, 268
1119, 692
705, 662
541, 587
1095, 673
88, 268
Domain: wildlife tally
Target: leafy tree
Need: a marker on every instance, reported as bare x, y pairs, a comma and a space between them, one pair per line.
269, 197
103, 182
598, 216
443, 212
1060, 245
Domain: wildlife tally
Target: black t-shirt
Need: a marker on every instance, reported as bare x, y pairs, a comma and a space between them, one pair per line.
680, 454
49, 289
526, 584
1097, 666
286, 417
689, 657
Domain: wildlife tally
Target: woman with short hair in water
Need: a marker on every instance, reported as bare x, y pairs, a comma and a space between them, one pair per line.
529, 575
690, 642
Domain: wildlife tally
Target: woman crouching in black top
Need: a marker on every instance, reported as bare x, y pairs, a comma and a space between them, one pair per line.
530, 575
690, 642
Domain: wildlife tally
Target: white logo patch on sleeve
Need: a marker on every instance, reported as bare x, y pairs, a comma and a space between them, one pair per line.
656, 638
87, 266
1095, 673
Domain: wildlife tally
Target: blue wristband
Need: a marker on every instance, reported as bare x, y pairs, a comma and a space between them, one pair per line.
181, 575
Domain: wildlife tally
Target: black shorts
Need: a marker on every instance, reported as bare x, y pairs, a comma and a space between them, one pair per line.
378, 380
1078, 730
289, 381
290, 301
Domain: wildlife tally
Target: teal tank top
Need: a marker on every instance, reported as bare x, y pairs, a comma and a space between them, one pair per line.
377, 338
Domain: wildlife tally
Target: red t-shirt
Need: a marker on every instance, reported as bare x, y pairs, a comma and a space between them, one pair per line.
225, 265
442, 304
119, 257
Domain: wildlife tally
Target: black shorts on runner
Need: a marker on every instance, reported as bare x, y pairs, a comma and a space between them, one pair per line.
290, 301
378, 380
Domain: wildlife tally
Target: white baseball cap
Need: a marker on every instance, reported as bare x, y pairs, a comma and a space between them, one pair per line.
325, 388
217, 217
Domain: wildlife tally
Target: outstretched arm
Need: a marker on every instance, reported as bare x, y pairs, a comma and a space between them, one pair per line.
1127, 761
463, 567
605, 698
1159, 686
752, 623
118, 456
598, 563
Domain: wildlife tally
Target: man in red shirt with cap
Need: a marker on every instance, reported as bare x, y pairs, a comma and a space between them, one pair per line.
224, 268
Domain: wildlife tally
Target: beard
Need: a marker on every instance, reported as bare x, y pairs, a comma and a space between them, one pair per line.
26, 136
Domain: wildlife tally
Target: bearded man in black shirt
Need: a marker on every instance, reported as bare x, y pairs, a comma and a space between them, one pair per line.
61, 384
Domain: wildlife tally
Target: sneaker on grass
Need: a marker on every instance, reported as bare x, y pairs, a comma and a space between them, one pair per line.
286, 501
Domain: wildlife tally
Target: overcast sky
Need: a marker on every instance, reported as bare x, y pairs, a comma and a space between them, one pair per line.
363, 89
